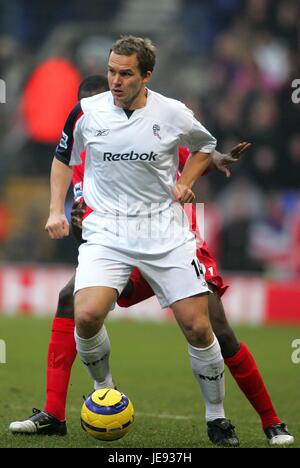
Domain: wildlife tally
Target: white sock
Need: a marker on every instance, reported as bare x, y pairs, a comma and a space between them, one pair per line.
94, 353
208, 367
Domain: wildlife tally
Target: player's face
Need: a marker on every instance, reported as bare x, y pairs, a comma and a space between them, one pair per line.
126, 82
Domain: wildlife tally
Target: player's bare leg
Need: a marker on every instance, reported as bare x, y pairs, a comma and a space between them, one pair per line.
91, 307
245, 372
228, 341
207, 365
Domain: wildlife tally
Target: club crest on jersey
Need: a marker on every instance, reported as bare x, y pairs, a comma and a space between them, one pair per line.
64, 141
156, 130
102, 132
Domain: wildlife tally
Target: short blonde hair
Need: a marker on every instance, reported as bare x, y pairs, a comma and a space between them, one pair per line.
142, 47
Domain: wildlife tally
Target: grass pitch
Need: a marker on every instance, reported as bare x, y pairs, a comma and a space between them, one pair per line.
150, 364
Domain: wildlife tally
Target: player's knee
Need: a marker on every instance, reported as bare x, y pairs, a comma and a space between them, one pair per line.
198, 333
86, 315
89, 313
88, 322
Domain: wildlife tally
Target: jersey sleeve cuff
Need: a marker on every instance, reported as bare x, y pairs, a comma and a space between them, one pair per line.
62, 159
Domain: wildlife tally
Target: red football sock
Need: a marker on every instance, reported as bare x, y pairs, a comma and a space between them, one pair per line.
61, 355
244, 370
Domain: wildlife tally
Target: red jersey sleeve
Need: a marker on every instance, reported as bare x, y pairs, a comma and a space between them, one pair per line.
183, 154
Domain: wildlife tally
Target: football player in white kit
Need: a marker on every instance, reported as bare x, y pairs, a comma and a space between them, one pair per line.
131, 136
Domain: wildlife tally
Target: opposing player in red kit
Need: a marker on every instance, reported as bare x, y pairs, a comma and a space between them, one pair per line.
62, 350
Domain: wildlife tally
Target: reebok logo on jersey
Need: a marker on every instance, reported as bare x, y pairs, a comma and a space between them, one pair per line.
102, 132
132, 156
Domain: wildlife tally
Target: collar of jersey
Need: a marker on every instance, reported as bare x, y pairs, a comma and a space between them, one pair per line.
140, 109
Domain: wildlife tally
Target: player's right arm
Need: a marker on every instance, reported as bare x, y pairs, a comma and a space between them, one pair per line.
67, 154
57, 225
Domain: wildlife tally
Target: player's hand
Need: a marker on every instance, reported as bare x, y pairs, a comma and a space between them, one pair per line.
57, 226
183, 194
77, 212
222, 161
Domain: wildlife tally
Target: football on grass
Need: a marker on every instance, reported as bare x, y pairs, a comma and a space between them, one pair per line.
107, 414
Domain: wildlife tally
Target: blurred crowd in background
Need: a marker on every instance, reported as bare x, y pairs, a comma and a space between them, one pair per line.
232, 61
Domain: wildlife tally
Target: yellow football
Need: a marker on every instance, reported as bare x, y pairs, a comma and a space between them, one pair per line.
107, 414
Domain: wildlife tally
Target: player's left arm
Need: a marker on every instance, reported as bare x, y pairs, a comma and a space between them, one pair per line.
201, 143
195, 166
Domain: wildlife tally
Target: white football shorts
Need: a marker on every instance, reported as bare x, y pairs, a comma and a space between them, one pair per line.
174, 275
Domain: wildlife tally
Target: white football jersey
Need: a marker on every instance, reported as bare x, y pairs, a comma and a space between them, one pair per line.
131, 166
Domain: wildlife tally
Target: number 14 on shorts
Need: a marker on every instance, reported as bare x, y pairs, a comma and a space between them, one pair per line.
199, 270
